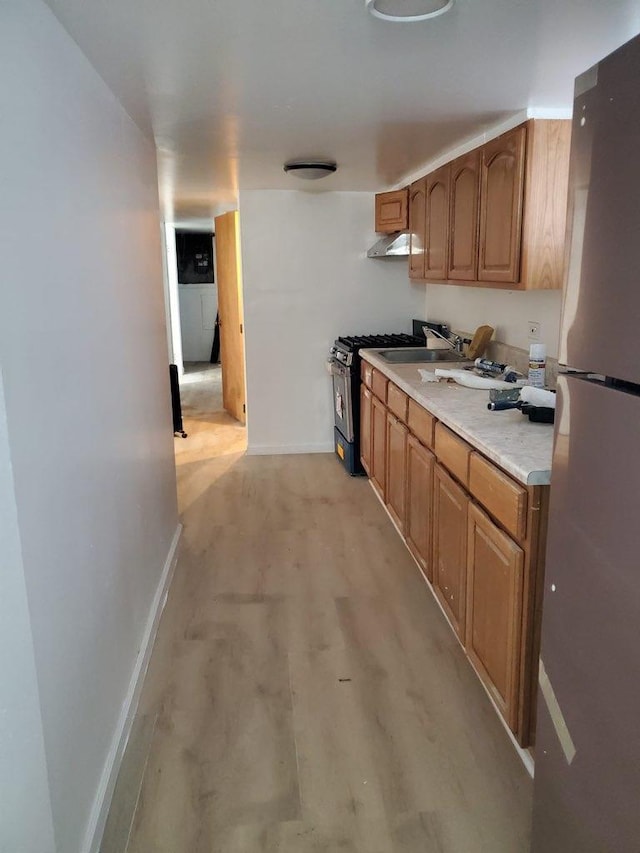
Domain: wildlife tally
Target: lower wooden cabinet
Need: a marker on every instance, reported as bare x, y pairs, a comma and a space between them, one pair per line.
365, 428
378, 472
417, 526
450, 508
495, 567
395, 493
489, 585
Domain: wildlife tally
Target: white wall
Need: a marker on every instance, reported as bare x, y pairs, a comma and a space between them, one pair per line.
198, 307
84, 356
307, 280
508, 311
25, 808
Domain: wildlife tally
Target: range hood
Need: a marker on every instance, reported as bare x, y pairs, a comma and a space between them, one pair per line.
391, 246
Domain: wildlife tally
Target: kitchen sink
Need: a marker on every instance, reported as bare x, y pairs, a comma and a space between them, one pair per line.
419, 355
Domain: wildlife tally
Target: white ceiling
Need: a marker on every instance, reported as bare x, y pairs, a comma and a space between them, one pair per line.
230, 89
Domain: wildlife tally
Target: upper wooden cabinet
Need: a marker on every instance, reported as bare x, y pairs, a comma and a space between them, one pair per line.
436, 243
392, 211
501, 199
496, 216
417, 212
463, 221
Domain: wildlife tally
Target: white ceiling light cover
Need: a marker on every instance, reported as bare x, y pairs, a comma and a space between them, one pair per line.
408, 10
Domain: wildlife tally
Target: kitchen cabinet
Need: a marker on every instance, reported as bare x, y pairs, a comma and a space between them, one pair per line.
501, 200
378, 464
365, 428
494, 610
417, 213
395, 491
436, 241
453, 452
464, 217
476, 533
420, 467
392, 211
496, 216
450, 508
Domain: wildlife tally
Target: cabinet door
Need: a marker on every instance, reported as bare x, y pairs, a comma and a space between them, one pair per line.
450, 505
365, 428
464, 220
378, 445
437, 224
395, 492
391, 211
501, 198
417, 526
417, 228
494, 610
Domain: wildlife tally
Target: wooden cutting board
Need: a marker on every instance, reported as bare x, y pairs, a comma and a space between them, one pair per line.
479, 342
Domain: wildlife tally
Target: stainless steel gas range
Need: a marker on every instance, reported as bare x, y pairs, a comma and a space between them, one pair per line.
344, 361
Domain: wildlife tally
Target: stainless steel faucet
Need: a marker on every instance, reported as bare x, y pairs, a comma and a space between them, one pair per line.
457, 343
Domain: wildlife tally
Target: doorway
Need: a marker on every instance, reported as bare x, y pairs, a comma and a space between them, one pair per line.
202, 284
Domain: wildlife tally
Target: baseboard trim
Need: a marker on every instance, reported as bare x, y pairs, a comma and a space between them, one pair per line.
102, 801
281, 450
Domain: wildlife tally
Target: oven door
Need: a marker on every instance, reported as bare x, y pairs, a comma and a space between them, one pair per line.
342, 408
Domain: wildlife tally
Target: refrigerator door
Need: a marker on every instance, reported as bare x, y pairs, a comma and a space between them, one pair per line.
601, 309
587, 753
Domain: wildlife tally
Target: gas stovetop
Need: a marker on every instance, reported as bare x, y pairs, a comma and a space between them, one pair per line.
346, 349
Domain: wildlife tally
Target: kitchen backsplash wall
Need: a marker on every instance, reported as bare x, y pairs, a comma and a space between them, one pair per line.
508, 311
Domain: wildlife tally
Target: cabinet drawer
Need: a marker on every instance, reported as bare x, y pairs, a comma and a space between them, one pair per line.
453, 452
397, 402
505, 499
379, 384
366, 373
421, 423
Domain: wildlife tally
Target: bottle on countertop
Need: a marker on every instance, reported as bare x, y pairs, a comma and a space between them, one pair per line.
537, 365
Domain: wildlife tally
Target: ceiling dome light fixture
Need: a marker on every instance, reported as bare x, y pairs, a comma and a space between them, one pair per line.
408, 10
310, 170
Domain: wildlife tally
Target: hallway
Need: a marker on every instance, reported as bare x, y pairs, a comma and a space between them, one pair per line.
305, 693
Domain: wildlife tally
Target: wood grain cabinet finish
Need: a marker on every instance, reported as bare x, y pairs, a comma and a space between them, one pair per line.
501, 201
379, 383
450, 508
397, 402
366, 373
436, 241
391, 211
395, 490
464, 217
417, 213
378, 472
417, 529
453, 452
485, 560
421, 423
495, 217
494, 611
365, 428
505, 499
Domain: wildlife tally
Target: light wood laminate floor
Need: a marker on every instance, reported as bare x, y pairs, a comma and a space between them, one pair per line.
305, 693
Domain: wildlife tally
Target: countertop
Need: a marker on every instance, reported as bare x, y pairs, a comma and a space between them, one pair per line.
509, 439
